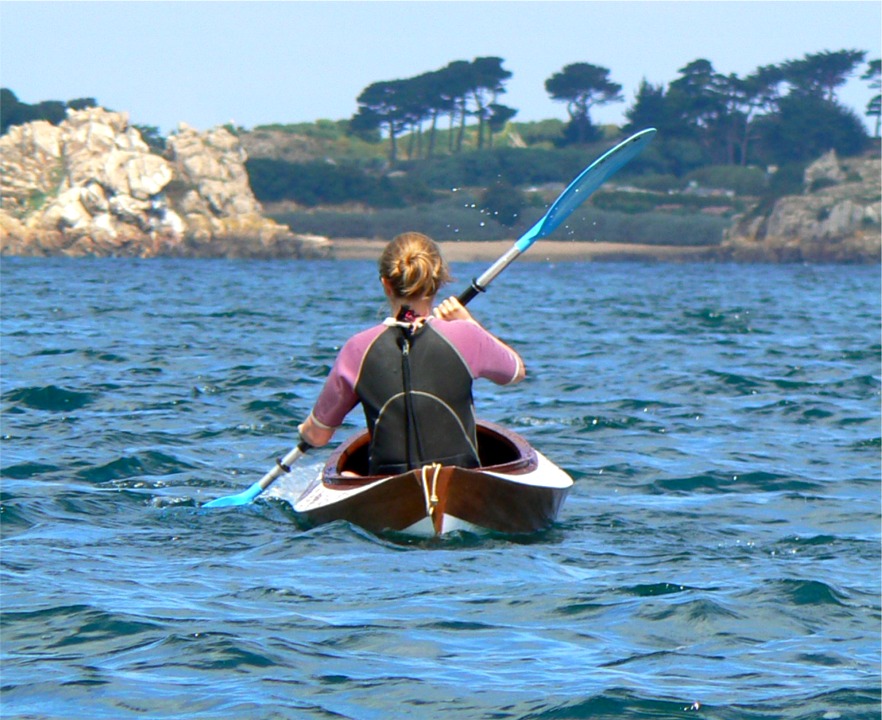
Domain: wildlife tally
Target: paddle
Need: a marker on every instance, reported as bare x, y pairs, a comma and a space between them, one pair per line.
248, 496
576, 193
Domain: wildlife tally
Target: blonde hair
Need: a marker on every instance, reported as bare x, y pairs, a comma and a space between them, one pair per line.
413, 264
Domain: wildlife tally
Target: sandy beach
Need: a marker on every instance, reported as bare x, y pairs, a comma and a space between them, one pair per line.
542, 251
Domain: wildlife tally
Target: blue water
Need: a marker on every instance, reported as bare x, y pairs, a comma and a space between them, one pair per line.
719, 555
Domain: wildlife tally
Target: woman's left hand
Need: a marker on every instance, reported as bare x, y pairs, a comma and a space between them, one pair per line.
453, 309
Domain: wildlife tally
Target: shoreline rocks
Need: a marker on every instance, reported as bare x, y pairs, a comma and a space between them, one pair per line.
836, 219
92, 186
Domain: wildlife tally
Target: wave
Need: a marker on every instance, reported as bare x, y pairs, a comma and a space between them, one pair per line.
612, 705
811, 592
48, 397
21, 471
67, 626
137, 467
756, 481
847, 703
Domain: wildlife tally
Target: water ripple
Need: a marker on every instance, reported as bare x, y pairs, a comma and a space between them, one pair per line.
717, 557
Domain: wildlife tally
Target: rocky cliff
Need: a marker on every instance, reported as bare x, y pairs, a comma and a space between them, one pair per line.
836, 219
92, 186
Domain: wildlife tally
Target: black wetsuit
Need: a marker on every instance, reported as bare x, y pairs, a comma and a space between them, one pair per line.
416, 390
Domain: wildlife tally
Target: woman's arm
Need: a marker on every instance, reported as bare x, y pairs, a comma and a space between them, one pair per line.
453, 309
315, 433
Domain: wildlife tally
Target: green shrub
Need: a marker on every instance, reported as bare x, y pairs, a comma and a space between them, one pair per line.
657, 182
464, 219
651, 229
150, 134
822, 183
627, 202
675, 156
787, 180
742, 180
318, 130
504, 203
520, 167
320, 183
442, 221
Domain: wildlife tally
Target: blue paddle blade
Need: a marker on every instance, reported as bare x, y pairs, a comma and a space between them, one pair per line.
243, 498
250, 495
576, 193
586, 183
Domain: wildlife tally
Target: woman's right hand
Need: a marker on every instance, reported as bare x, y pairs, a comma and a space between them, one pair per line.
315, 433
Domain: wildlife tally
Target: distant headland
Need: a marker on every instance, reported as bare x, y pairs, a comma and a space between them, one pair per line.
91, 186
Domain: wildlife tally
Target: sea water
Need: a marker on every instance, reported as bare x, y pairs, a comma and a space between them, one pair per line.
718, 557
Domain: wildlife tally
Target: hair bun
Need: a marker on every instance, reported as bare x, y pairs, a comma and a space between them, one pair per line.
414, 265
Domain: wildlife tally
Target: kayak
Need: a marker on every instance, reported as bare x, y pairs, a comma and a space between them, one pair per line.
516, 490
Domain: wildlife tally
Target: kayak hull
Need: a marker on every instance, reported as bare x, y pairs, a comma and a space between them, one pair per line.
517, 490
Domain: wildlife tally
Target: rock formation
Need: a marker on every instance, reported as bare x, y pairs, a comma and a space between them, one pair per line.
836, 219
92, 186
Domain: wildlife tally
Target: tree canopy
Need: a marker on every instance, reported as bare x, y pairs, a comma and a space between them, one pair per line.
582, 86
765, 117
819, 74
727, 117
460, 90
15, 112
874, 107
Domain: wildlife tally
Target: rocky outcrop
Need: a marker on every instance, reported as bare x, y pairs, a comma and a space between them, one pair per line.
836, 219
92, 186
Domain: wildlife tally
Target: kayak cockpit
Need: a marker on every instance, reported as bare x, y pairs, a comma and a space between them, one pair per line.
499, 450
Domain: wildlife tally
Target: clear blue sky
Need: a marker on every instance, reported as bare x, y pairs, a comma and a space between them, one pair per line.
252, 63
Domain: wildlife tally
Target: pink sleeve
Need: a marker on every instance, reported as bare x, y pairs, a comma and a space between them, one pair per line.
338, 396
484, 354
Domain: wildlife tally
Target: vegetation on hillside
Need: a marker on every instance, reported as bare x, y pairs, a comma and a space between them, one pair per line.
440, 152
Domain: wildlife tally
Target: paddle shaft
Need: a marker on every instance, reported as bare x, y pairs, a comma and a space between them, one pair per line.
283, 466
480, 284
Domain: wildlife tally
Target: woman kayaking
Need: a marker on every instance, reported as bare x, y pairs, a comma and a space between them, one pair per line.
413, 372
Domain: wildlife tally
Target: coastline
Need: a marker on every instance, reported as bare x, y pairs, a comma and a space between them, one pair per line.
542, 251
